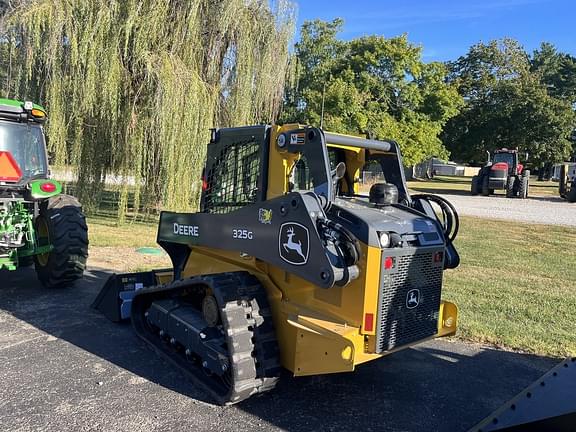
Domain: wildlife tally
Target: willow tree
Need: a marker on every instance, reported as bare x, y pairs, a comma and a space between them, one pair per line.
133, 86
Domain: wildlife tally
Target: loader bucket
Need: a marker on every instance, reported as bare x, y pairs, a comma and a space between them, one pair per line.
115, 298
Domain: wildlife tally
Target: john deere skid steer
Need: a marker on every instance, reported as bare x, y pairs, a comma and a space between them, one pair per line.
287, 266
38, 224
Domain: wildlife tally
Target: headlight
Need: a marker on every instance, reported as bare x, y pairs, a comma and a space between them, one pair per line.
384, 240
281, 140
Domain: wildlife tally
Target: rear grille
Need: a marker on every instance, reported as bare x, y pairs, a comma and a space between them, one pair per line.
414, 276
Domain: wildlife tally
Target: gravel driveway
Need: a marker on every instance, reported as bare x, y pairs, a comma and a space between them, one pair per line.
543, 210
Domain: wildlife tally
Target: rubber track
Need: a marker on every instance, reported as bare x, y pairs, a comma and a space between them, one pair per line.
247, 320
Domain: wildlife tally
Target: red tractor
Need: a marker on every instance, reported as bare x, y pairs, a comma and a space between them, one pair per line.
503, 172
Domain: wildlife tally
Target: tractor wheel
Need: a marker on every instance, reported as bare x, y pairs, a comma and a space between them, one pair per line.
524, 185
61, 224
510, 182
485, 188
474, 186
571, 195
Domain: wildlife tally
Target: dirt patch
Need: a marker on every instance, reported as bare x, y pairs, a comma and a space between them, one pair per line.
126, 259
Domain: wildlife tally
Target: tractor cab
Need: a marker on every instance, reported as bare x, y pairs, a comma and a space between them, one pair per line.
23, 154
508, 161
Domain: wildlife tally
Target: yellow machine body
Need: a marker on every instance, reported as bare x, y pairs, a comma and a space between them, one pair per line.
319, 331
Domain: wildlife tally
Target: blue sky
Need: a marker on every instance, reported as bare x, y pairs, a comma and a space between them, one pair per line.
447, 28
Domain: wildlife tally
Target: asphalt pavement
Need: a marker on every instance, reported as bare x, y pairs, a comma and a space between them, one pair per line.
64, 367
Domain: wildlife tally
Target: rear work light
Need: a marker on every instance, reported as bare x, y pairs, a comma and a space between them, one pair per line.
48, 187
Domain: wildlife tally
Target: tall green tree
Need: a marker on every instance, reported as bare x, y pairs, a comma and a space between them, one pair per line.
509, 103
557, 71
372, 86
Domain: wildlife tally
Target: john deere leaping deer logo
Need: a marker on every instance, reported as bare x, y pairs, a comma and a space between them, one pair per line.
293, 243
413, 298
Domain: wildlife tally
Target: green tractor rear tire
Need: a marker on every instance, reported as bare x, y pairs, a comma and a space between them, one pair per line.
61, 224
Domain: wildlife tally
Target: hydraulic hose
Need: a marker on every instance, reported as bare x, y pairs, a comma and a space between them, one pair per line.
450, 220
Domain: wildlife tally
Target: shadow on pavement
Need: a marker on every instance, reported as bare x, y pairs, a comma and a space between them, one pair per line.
549, 199
439, 191
449, 180
66, 314
497, 195
430, 388
438, 386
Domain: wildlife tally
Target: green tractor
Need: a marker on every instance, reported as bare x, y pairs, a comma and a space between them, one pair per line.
38, 224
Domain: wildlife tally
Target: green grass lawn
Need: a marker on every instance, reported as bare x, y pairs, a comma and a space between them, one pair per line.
461, 185
515, 287
105, 232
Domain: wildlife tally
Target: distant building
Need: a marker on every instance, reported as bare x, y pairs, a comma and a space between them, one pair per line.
435, 166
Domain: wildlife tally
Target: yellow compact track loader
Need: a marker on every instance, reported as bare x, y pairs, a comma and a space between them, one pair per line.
288, 266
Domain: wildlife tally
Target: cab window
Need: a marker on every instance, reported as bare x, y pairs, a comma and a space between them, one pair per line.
232, 182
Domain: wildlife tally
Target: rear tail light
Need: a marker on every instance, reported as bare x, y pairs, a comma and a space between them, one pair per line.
369, 322
48, 187
438, 257
388, 263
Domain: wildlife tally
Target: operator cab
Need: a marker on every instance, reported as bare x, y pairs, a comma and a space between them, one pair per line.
247, 165
508, 157
23, 154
